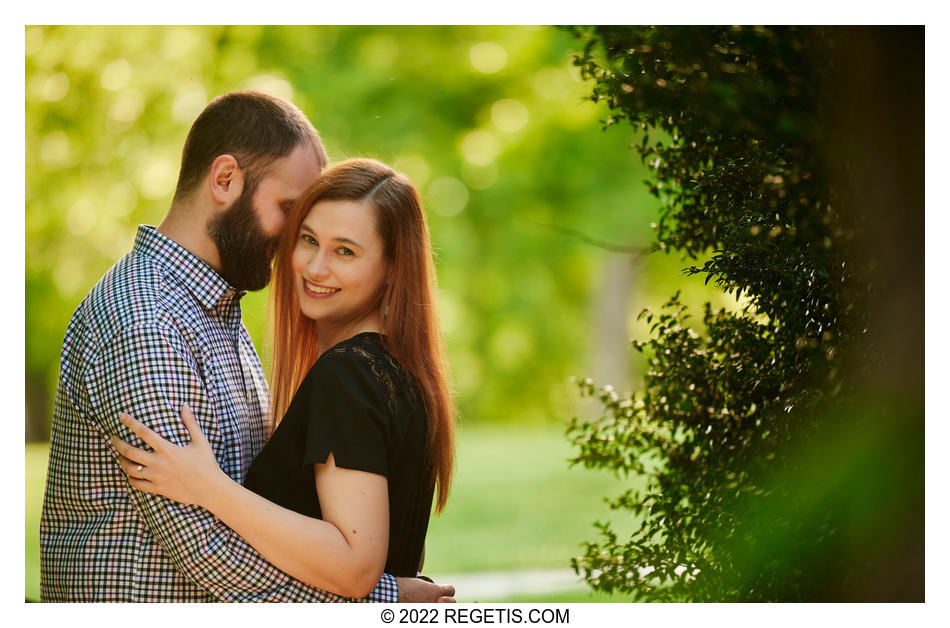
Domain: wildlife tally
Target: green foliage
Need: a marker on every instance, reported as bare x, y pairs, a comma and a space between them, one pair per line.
726, 407
490, 122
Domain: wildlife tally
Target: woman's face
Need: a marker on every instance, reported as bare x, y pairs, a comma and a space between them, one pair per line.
338, 262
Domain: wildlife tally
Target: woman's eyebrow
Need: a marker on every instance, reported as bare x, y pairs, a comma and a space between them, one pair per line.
305, 227
348, 241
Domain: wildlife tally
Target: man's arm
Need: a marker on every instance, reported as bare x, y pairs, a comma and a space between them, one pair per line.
148, 372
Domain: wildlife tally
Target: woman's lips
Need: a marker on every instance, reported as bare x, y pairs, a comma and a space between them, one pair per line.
317, 291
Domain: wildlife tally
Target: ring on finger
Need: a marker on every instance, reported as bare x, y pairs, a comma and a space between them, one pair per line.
141, 476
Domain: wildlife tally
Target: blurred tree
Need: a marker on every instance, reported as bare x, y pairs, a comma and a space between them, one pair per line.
490, 122
784, 442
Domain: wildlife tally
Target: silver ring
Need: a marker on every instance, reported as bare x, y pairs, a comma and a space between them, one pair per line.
141, 477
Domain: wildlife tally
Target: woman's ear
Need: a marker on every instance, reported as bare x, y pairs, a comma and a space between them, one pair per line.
225, 180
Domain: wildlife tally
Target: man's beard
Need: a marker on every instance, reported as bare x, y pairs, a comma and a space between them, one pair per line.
245, 251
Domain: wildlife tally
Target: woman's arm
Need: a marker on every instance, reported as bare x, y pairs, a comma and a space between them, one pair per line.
344, 553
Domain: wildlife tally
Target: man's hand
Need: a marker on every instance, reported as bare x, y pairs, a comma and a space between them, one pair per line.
418, 590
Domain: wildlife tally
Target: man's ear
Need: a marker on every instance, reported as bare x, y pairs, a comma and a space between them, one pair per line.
226, 179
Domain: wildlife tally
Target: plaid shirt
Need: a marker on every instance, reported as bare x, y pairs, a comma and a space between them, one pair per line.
160, 329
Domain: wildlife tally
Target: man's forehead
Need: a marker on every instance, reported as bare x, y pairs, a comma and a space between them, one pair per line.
297, 170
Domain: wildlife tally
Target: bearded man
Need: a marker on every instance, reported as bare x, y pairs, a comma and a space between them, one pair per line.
162, 328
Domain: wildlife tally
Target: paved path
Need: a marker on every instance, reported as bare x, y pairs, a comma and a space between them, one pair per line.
475, 587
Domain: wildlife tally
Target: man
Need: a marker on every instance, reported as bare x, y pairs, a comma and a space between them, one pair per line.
162, 328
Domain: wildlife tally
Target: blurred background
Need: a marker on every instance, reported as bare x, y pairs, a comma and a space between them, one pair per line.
538, 217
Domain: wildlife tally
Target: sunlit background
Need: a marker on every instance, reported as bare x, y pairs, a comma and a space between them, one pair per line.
536, 213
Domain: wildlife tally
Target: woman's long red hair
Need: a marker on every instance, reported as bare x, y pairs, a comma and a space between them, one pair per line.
410, 325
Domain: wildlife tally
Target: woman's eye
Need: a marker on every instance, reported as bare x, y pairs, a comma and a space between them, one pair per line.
345, 251
309, 239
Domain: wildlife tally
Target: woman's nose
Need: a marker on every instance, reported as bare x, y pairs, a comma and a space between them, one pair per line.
318, 266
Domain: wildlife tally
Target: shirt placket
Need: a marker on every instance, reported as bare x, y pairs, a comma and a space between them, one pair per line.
251, 426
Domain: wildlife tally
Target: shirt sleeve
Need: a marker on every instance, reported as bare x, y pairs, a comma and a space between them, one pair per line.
148, 372
346, 415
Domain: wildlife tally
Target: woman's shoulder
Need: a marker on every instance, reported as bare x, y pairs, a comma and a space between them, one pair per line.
365, 345
357, 353
361, 356
365, 357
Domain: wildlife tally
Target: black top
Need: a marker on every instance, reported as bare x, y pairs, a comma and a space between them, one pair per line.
360, 404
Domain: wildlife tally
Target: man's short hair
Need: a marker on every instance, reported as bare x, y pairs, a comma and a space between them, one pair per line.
254, 128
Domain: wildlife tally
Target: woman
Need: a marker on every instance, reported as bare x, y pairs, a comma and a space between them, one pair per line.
343, 489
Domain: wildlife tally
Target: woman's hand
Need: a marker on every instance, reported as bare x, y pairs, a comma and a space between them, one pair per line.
185, 474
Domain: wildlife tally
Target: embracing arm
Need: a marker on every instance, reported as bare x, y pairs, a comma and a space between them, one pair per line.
344, 553
151, 374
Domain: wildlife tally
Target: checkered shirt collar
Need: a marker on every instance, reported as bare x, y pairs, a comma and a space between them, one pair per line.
207, 286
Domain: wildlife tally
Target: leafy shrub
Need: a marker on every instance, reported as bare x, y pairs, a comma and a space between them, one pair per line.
745, 425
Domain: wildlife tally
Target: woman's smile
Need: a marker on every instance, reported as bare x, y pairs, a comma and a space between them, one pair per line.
317, 291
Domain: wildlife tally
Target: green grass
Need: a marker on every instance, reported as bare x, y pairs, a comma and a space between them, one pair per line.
36, 457
515, 505
567, 597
